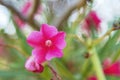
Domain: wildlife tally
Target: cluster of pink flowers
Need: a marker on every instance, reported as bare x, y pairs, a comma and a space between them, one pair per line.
109, 68
91, 21
48, 43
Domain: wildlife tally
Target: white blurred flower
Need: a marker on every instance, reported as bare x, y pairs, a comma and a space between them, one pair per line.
10, 29
4, 17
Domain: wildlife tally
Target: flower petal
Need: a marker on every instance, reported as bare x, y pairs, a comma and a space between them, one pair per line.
59, 40
39, 55
52, 53
48, 30
39, 68
35, 39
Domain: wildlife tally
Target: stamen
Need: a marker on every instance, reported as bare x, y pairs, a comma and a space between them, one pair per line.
48, 43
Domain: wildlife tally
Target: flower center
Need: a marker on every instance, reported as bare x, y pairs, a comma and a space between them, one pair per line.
48, 43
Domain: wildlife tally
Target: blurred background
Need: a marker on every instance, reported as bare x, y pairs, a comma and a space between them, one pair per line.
18, 18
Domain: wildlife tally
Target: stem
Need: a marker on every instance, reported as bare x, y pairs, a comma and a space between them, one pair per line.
96, 64
84, 69
101, 38
67, 13
56, 76
116, 56
78, 38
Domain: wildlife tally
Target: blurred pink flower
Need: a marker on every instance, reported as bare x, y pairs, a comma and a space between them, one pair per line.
33, 66
24, 11
92, 78
19, 22
109, 68
91, 20
47, 43
26, 8
113, 69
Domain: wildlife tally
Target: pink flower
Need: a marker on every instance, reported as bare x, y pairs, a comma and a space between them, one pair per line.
92, 20
47, 43
113, 69
92, 78
33, 66
109, 68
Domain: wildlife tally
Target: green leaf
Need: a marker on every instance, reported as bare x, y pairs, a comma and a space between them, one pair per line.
109, 45
46, 74
22, 38
11, 73
112, 78
62, 70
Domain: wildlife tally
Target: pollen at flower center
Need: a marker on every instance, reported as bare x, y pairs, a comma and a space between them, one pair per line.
48, 43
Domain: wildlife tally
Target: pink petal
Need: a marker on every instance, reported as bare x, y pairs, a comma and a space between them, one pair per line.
95, 18
48, 30
26, 8
35, 39
39, 54
39, 68
59, 40
53, 53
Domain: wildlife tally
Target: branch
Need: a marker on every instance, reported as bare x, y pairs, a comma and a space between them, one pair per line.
101, 38
58, 22
54, 73
27, 20
36, 4
106, 34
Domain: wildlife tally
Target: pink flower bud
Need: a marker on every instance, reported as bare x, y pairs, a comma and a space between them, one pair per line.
32, 65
